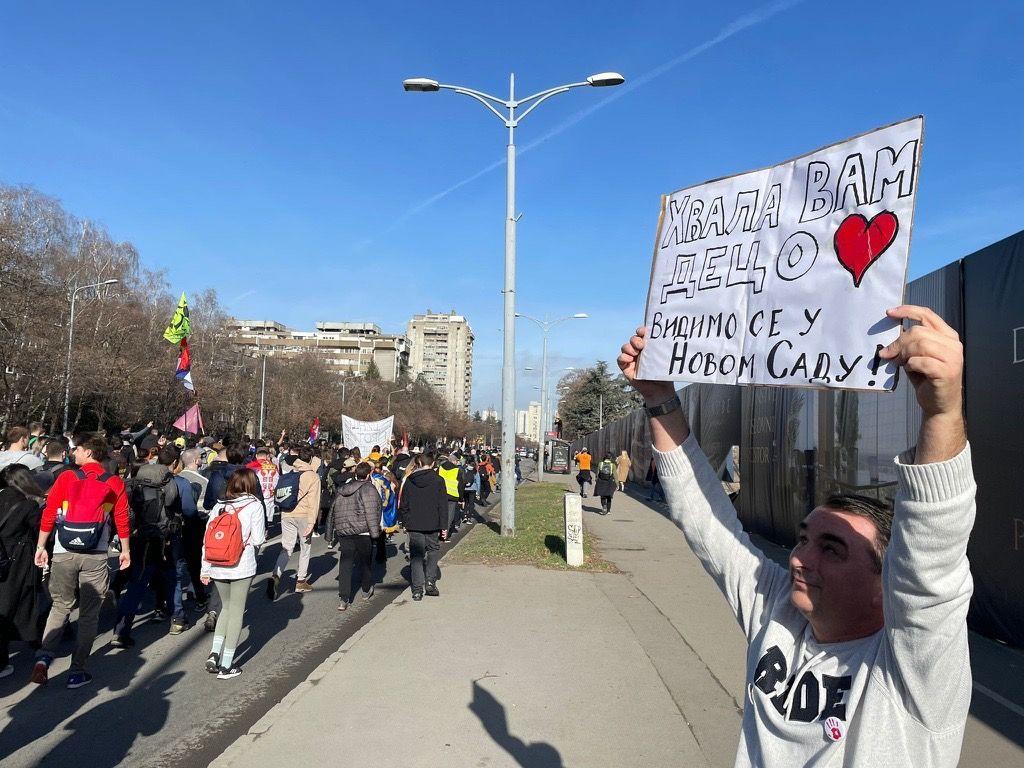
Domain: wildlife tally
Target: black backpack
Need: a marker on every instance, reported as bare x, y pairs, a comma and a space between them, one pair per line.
605, 471
147, 501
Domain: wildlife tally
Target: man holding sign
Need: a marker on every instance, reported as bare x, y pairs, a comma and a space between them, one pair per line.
858, 653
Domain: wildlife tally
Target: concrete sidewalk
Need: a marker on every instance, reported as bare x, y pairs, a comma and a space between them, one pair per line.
515, 666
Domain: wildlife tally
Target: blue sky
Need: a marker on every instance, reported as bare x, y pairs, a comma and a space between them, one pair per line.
268, 149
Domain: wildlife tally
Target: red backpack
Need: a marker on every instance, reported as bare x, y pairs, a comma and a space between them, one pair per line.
83, 514
223, 539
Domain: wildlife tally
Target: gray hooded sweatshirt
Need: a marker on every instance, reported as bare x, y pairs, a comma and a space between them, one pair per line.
898, 697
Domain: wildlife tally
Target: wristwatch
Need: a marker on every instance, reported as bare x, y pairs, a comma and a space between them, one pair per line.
668, 406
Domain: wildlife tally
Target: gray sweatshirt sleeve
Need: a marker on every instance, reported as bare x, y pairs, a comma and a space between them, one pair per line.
750, 581
927, 588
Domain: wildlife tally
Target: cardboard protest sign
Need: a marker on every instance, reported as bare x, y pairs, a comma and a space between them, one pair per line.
366, 434
782, 276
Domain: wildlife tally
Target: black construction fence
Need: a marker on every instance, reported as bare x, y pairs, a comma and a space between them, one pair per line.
796, 446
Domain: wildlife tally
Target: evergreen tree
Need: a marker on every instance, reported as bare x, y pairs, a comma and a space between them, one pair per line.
594, 396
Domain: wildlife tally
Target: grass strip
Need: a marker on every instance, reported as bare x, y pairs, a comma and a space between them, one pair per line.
539, 539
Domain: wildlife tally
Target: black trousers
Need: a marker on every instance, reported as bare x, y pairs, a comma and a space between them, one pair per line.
192, 535
424, 548
354, 551
469, 499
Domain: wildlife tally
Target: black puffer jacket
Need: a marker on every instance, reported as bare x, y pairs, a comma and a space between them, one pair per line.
356, 509
424, 505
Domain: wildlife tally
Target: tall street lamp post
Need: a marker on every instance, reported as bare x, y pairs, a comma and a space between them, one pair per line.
406, 388
71, 335
545, 326
508, 376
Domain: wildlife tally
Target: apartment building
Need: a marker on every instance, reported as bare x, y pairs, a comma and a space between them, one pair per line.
442, 351
347, 348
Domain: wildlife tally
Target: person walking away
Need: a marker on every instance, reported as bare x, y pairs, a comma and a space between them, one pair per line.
486, 471
606, 484
470, 489
652, 478
187, 568
858, 651
423, 509
622, 466
17, 450
583, 477
265, 470
20, 512
155, 502
79, 507
298, 498
56, 453
387, 487
354, 523
449, 470
228, 459
194, 527
235, 530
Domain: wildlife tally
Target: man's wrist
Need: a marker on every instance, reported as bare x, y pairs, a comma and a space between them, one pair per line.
656, 393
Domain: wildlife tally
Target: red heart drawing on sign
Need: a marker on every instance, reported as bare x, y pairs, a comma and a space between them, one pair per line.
859, 242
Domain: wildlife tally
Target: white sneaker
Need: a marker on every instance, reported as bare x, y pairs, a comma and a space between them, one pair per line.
7, 671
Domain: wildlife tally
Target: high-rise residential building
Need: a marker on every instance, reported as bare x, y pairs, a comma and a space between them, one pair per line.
521, 422
442, 351
347, 348
533, 420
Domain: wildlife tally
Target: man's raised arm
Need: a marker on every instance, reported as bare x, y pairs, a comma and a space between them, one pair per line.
699, 505
926, 577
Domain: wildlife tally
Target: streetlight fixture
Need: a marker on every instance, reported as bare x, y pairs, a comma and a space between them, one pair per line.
545, 326
511, 121
406, 388
71, 335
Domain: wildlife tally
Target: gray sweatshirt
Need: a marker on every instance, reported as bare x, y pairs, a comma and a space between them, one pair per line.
898, 697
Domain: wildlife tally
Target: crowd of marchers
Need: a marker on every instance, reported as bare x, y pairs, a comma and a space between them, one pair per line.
97, 520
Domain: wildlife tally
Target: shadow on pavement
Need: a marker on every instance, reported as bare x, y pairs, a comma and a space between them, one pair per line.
492, 716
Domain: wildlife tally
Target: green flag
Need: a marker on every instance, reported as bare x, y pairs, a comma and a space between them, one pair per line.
180, 326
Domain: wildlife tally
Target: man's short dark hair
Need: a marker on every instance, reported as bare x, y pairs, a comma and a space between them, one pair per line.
235, 455
167, 455
15, 434
305, 453
363, 470
55, 446
878, 512
95, 445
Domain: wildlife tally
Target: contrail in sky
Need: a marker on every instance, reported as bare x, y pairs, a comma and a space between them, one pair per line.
740, 24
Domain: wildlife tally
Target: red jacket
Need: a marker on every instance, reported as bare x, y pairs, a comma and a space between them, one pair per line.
59, 493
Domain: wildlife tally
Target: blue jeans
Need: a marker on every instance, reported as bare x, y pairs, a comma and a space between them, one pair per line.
181, 575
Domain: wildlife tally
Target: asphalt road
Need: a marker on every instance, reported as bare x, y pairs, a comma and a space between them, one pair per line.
155, 705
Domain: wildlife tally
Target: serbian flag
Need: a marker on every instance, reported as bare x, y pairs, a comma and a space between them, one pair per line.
190, 421
314, 431
184, 372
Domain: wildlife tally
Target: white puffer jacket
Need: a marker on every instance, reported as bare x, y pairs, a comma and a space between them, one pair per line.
254, 532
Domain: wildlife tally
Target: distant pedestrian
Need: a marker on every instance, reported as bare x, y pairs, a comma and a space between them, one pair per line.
583, 460
470, 489
354, 522
244, 500
449, 468
606, 483
622, 467
424, 511
652, 478
20, 500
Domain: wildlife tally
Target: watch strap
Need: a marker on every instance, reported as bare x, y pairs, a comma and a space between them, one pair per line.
672, 404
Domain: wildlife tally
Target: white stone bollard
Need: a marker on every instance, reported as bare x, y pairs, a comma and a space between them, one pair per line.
573, 529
